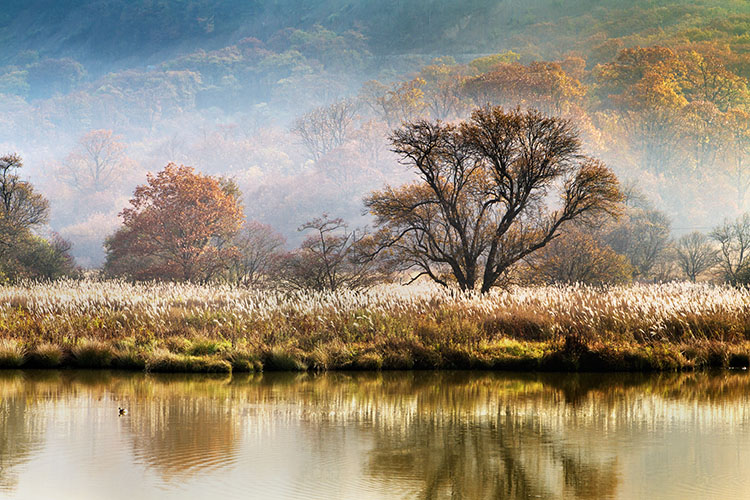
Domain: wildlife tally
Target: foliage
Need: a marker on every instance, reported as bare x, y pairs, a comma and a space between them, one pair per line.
578, 256
23, 254
178, 226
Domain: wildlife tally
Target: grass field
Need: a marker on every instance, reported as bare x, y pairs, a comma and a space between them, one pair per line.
184, 327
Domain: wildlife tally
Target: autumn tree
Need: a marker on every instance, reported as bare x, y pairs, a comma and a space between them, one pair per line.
443, 81
643, 86
96, 163
540, 85
737, 153
642, 234
178, 226
579, 256
394, 104
480, 204
21, 208
23, 211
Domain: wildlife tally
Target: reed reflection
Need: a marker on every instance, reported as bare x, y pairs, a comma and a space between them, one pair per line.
421, 435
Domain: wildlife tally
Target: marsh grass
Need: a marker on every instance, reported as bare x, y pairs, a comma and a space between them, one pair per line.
91, 353
46, 355
165, 361
185, 327
12, 354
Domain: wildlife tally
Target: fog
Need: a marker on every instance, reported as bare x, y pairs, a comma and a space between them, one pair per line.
225, 86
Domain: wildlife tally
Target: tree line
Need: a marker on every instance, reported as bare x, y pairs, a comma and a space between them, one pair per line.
506, 195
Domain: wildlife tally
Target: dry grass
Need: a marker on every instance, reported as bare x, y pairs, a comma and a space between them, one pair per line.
172, 326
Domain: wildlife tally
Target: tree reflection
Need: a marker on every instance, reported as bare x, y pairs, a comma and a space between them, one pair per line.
426, 435
183, 425
22, 426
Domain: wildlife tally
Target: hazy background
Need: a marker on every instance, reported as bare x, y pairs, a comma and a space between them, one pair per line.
218, 85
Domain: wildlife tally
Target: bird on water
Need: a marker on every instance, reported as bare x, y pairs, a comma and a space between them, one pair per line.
122, 411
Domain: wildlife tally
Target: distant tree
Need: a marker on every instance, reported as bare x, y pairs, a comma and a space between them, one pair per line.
258, 255
326, 127
643, 86
642, 235
479, 204
540, 85
178, 226
485, 64
394, 104
695, 254
96, 163
54, 76
331, 258
734, 247
737, 152
579, 256
443, 80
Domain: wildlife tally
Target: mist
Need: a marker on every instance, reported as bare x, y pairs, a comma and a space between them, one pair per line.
226, 87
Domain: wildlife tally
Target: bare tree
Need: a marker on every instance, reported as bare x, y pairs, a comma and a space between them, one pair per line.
643, 236
734, 246
695, 254
479, 205
96, 162
333, 257
326, 127
258, 253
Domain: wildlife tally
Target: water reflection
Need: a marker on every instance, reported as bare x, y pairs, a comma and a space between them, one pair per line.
411, 435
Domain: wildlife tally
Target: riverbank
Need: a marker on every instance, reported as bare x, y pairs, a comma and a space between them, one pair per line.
191, 328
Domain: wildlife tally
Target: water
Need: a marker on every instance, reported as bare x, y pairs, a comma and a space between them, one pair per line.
392, 435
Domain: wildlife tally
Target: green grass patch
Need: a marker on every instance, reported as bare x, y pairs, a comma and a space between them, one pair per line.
164, 361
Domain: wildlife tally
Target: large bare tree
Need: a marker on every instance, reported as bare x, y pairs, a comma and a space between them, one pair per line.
482, 201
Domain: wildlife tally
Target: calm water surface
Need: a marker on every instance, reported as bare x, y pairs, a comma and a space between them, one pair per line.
391, 435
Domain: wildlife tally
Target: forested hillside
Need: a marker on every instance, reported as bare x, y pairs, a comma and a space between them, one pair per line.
117, 33
247, 90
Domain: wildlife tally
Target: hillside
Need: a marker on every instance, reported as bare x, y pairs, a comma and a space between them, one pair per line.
115, 34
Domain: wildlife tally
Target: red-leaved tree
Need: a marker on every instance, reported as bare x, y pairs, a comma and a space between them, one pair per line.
178, 226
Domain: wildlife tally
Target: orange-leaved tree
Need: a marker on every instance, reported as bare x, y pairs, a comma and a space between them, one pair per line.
178, 226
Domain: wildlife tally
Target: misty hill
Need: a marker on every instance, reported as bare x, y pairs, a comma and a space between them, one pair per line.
107, 35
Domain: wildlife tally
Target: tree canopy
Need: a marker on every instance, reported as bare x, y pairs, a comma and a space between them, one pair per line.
482, 199
179, 225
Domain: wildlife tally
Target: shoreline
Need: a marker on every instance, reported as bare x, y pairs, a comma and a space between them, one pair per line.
570, 354
180, 327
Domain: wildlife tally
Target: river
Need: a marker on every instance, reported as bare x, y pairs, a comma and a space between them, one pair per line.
468, 435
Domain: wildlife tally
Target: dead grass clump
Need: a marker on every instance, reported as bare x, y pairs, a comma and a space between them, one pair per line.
46, 355
280, 358
91, 353
12, 354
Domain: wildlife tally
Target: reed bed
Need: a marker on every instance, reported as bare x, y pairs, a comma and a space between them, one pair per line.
188, 327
